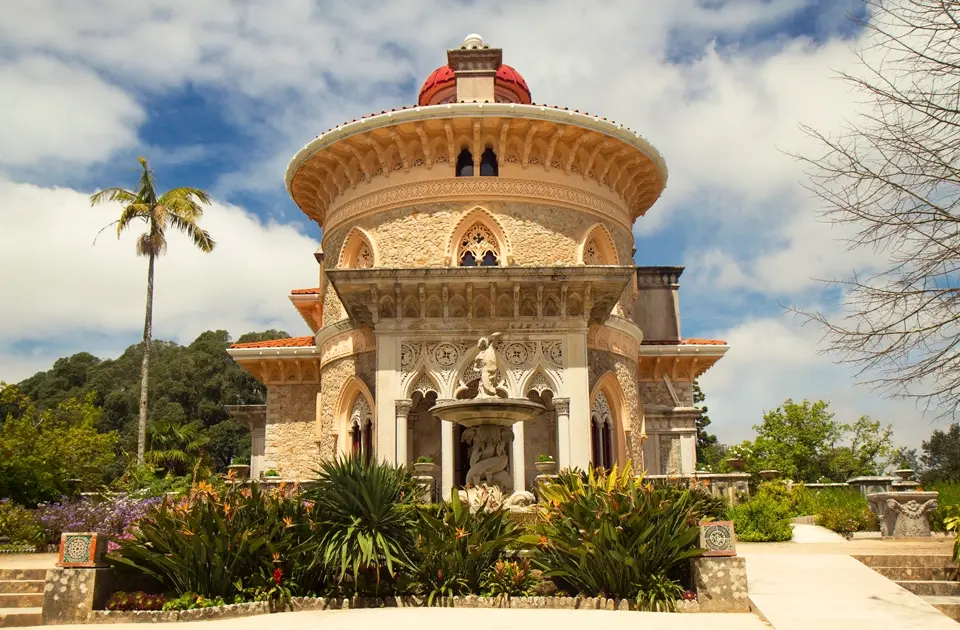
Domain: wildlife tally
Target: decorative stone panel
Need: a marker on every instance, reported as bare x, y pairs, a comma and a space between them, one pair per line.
81, 549
721, 584
717, 538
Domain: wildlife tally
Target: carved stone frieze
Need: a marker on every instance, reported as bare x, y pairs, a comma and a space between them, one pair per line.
347, 343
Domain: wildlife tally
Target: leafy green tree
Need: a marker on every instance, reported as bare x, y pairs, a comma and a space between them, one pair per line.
705, 440
805, 443
178, 208
46, 453
941, 455
228, 440
904, 457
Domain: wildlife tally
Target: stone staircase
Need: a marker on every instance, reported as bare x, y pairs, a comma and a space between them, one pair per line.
933, 578
21, 597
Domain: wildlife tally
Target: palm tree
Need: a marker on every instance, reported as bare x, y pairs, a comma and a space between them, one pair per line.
176, 446
178, 208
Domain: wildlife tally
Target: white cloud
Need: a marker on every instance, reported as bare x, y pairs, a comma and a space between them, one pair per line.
53, 111
773, 359
66, 288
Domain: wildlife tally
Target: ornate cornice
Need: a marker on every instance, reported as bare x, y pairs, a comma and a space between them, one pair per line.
346, 344
476, 188
609, 339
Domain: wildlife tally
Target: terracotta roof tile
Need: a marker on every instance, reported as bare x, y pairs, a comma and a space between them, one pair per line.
291, 342
313, 291
686, 342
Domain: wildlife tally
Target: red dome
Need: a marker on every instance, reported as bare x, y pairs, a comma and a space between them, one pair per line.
442, 82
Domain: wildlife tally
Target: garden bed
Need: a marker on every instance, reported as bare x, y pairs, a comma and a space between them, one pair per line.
321, 603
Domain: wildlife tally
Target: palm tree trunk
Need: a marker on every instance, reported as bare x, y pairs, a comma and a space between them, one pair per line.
145, 367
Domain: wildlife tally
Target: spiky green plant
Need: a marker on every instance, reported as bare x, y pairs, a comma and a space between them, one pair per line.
609, 533
367, 512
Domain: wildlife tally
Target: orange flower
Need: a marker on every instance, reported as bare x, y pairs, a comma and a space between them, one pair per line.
288, 521
283, 486
461, 533
187, 532
276, 556
544, 541
309, 505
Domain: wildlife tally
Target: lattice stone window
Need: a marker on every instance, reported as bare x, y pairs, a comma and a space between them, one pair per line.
478, 248
601, 432
363, 258
592, 254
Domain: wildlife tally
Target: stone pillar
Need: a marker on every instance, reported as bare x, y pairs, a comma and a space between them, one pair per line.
402, 410
388, 385
447, 453
577, 389
70, 595
562, 407
519, 460
258, 445
721, 584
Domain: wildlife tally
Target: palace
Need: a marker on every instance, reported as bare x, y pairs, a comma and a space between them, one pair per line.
477, 213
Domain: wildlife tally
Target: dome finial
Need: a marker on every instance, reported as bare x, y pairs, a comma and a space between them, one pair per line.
473, 41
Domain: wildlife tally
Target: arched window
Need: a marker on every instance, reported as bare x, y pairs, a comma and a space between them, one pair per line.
591, 253
363, 258
488, 164
465, 164
601, 432
357, 251
361, 429
598, 247
478, 248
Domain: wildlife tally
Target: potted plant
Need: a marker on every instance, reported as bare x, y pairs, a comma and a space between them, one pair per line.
545, 464
424, 465
737, 457
905, 474
271, 475
239, 468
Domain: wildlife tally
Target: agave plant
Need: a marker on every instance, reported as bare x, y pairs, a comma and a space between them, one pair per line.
367, 511
611, 534
458, 545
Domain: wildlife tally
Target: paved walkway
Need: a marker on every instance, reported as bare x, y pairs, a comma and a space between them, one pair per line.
465, 619
796, 588
808, 534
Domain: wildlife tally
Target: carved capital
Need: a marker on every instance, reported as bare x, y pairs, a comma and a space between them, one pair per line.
403, 406
562, 405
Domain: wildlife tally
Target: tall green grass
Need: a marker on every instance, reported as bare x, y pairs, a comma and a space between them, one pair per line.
949, 496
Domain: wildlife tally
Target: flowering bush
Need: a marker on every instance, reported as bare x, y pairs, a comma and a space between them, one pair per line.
511, 579
136, 601
110, 516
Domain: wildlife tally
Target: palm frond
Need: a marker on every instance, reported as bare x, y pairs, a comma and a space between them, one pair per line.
110, 195
184, 193
201, 238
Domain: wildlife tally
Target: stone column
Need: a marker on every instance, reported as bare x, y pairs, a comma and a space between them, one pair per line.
562, 407
447, 453
258, 444
402, 410
388, 384
577, 389
519, 460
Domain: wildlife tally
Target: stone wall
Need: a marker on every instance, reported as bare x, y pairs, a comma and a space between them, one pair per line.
721, 584
333, 377
291, 439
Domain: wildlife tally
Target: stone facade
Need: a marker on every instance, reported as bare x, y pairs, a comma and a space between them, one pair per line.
292, 448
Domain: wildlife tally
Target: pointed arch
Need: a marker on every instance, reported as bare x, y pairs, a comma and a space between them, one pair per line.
478, 218
434, 307
608, 424
597, 247
411, 307
423, 382
504, 306
358, 251
356, 418
539, 381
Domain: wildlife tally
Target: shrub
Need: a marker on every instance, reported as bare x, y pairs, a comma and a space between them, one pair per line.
136, 601
367, 517
543, 457
192, 601
613, 535
20, 525
510, 579
844, 510
221, 544
456, 548
705, 505
949, 496
765, 517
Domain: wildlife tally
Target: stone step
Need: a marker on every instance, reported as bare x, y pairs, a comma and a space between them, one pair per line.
23, 574
21, 586
940, 561
20, 617
21, 600
950, 606
917, 574
938, 588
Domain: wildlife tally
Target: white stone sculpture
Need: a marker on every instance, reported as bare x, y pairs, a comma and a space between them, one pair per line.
486, 364
488, 455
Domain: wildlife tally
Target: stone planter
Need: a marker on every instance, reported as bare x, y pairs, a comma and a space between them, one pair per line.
736, 463
905, 474
546, 468
903, 514
425, 468
240, 471
769, 475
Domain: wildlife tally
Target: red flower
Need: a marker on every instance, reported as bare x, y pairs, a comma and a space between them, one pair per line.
277, 575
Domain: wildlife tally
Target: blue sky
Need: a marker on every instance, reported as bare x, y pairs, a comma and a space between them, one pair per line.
220, 94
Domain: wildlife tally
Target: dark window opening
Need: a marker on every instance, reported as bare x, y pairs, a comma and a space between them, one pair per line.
468, 260
465, 164
489, 260
488, 164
